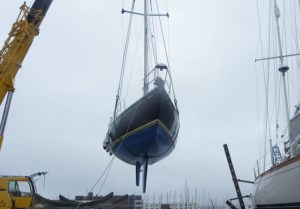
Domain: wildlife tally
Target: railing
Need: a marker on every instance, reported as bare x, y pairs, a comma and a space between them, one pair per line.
261, 166
159, 75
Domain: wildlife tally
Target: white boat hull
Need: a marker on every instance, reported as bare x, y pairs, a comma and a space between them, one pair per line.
279, 187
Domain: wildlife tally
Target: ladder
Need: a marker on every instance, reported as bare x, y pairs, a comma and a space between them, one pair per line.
277, 154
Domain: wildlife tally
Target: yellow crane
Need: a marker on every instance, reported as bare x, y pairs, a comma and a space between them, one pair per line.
18, 191
15, 49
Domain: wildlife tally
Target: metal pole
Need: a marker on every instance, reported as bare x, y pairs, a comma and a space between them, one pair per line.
230, 205
245, 181
145, 48
212, 204
283, 69
277, 16
286, 107
5, 115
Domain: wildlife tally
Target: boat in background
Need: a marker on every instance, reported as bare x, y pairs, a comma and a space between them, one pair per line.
279, 186
147, 130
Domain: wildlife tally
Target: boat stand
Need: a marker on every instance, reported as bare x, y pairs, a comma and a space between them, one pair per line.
236, 182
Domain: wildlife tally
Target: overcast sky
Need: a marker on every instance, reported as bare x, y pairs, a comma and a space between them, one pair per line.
66, 89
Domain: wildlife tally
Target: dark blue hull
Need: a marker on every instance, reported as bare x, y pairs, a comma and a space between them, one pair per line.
153, 141
147, 129
144, 133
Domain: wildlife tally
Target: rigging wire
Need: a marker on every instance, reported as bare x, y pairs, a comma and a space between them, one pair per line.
124, 61
266, 83
274, 114
285, 38
133, 64
260, 41
122, 23
153, 46
153, 37
296, 45
298, 50
167, 57
108, 167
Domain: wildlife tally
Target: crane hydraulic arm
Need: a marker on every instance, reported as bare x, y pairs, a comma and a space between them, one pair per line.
15, 49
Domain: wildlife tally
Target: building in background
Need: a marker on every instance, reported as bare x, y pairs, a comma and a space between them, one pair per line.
182, 206
171, 206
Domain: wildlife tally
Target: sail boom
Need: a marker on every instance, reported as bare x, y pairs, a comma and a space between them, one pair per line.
277, 57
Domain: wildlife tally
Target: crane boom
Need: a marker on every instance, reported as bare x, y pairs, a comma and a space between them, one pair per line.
15, 48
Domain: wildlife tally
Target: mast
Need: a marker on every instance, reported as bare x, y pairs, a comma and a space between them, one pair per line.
146, 40
283, 69
146, 87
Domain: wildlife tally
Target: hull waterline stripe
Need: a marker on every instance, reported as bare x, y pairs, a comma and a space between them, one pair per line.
157, 121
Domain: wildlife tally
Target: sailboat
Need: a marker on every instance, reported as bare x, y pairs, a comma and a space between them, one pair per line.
279, 185
146, 131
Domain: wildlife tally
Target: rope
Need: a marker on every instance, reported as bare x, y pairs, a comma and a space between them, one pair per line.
103, 173
108, 167
110, 164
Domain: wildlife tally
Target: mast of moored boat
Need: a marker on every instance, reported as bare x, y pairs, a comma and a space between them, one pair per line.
146, 83
283, 69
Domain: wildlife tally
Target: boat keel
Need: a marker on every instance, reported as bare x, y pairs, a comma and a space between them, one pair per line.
137, 173
145, 170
